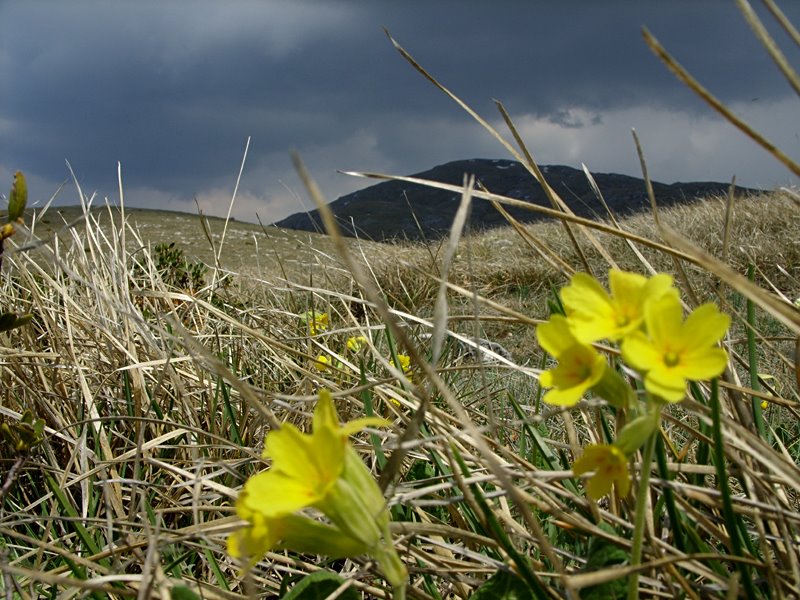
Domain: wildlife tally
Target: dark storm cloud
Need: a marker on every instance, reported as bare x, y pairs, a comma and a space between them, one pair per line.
173, 89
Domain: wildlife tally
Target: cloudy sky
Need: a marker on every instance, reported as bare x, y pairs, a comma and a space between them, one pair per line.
172, 90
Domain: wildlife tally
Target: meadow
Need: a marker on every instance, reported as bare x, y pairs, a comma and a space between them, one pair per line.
159, 361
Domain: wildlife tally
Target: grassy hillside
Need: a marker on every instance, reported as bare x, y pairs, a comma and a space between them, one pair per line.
246, 247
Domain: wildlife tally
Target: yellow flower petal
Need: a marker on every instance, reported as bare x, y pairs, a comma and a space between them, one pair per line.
585, 293
311, 458
639, 352
317, 322
566, 397
705, 326
273, 494
594, 314
555, 335
665, 383
325, 416
357, 425
664, 318
704, 364
320, 470
546, 379
588, 307
255, 540
624, 284
356, 343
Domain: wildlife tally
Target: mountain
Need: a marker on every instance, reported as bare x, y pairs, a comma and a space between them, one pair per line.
396, 209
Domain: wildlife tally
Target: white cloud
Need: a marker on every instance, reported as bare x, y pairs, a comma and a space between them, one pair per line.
677, 147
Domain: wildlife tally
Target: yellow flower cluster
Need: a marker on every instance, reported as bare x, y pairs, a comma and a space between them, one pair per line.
354, 345
317, 322
645, 318
405, 365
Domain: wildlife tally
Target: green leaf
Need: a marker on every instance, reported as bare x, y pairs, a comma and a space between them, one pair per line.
602, 554
18, 197
502, 586
319, 586
181, 592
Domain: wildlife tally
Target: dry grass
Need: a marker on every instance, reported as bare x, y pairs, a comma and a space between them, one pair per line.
156, 402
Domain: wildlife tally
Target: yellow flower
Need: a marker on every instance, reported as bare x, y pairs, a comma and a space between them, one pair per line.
317, 321
306, 468
674, 351
294, 532
579, 366
594, 314
320, 470
355, 343
405, 365
610, 468
764, 405
323, 362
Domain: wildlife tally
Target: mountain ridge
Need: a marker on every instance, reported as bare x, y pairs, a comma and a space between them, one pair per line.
401, 210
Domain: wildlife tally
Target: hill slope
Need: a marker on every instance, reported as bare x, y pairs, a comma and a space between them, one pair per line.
387, 210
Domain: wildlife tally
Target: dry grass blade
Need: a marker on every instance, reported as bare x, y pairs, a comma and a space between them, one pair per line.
537, 244
511, 150
526, 160
726, 231
555, 200
654, 208
472, 433
373, 295
599, 195
779, 15
233, 200
155, 398
440, 310
769, 43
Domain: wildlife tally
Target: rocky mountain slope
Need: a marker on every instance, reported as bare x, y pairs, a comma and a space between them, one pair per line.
395, 209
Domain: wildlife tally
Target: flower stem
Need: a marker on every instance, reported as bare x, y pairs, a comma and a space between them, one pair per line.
641, 507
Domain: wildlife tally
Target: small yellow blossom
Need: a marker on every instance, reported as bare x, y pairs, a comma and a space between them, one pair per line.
764, 405
579, 366
317, 322
323, 362
673, 350
610, 468
594, 314
405, 365
356, 343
